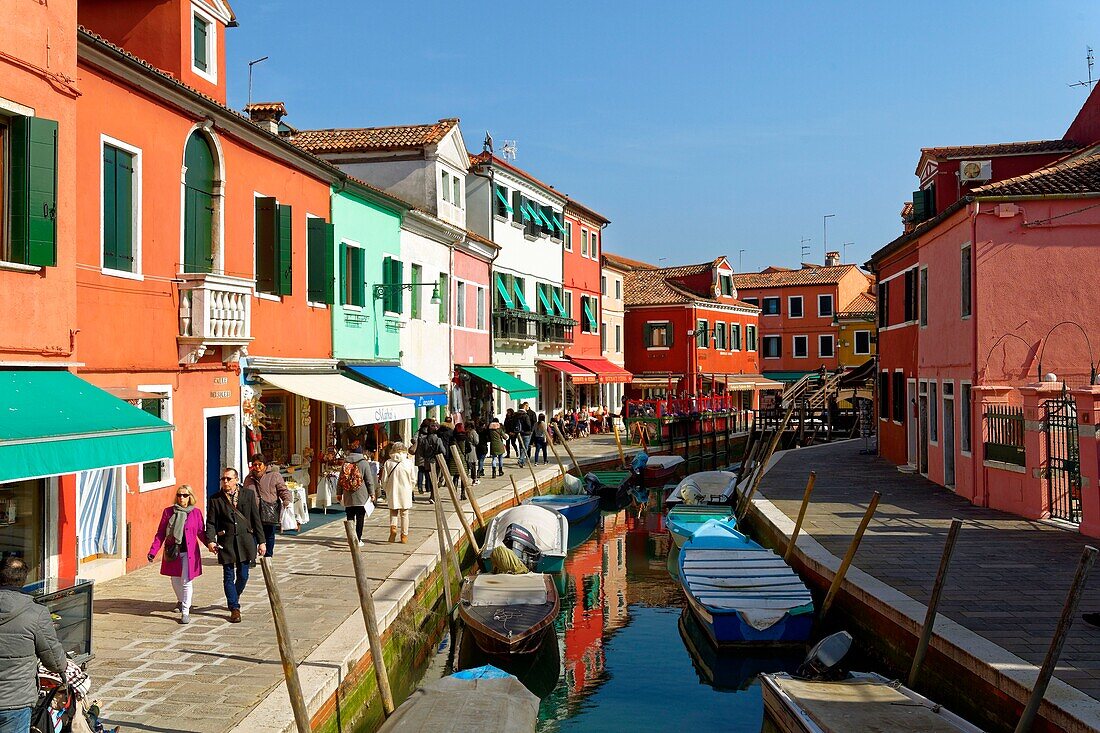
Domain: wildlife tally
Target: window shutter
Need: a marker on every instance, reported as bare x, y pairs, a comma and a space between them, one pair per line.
201, 30
329, 264
444, 297
124, 211
267, 232
647, 334
315, 262
399, 293
669, 332
34, 191
359, 276
344, 274
285, 254
517, 207
110, 206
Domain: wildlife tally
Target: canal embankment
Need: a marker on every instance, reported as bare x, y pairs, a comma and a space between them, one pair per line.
1006, 585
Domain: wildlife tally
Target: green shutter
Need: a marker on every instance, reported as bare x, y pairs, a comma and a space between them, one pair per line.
267, 235
344, 299
201, 62
558, 305
34, 191
153, 471
647, 334
330, 264
517, 288
502, 290
503, 199
517, 207
285, 252
124, 210
398, 292
359, 275
319, 254
544, 301
414, 294
110, 209
444, 297
198, 208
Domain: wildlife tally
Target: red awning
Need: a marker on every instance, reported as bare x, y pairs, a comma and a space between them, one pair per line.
578, 374
607, 372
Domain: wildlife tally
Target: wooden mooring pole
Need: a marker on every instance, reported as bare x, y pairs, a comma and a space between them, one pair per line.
1088, 557
767, 455
286, 650
468, 485
515, 490
370, 619
557, 456
534, 479
619, 445
934, 602
444, 557
801, 516
576, 463
850, 555
441, 524
442, 464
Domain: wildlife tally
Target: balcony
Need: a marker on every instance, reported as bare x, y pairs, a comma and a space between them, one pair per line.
215, 311
556, 329
510, 324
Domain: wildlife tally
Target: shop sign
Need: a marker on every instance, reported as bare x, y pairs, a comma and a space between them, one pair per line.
221, 394
385, 414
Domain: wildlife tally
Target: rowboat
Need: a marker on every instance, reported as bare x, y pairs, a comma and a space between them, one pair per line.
684, 519
575, 508
659, 469
861, 703
508, 615
713, 488
537, 535
484, 699
742, 593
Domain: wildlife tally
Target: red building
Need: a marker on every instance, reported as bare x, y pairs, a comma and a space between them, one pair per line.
687, 332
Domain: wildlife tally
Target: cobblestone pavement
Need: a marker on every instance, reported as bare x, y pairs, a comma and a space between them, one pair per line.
1008, 577
152, 674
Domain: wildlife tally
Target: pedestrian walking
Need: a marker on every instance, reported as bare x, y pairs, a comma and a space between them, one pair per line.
524, 427
418, 459
532, 418
356, 486
397, 479
431, 445
182, 535
273, 495
236, 534
482, 448
498, 444
473, 442
510, 429
460, 442
27, 637
539, 437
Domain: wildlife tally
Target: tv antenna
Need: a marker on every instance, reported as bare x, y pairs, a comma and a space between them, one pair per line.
1089, 58
509, 150
805, 249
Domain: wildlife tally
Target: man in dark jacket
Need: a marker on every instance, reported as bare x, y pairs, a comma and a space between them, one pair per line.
27, 636
525, 428
510, 418
427, 449
233, 524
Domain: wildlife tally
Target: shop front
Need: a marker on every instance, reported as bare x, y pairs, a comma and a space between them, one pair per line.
612, 379
429, 399
485, 390
567, 386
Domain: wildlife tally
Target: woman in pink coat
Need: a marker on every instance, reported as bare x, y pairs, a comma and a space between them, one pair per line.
182, 534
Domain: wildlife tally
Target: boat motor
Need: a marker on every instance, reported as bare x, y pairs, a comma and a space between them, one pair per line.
822, 663
519, 540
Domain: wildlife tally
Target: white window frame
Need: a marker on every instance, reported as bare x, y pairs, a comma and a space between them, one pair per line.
481, 310
668, 327
169, 478
445, 184
618, 288
801, 303
456, 192
584, 242
211, 74
592, 245
603, 285
137, 274
310, 303
724, 346
855, 342
255, 290
567, 237
368, 293
567, 301
460, 303
740, 336
832, 345
832, 305
794, 346
764, 351
618, 338
778, 301
923, 305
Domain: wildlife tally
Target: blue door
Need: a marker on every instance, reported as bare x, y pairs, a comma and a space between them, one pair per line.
213, 455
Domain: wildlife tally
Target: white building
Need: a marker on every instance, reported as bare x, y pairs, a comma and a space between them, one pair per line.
611, 328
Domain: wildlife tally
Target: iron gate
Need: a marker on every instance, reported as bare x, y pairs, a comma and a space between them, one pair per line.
1063, 472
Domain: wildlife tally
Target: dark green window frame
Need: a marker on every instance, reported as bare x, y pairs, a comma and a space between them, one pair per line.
702, 334
650, 332
274, 246
118, 209
320, 261
32, 188
353, 286
393, 296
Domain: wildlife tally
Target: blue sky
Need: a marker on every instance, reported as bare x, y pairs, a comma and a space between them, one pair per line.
698, 128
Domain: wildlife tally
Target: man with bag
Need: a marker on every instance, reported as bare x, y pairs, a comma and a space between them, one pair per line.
356, 484
234, 529
428, 447
273, 495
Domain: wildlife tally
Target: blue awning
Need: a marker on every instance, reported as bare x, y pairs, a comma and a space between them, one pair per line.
396, 379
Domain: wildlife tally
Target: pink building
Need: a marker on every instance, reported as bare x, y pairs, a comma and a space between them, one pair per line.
472, 257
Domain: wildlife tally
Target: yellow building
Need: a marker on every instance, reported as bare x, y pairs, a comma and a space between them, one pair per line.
857, 336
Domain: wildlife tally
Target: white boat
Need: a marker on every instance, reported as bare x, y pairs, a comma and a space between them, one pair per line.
705, 487
548, 530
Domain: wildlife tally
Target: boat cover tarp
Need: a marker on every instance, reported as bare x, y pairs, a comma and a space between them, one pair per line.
543, 524
455, 705
509, 590
505, 561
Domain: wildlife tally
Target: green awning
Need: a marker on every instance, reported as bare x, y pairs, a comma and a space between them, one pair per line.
520, 300
546, 219
786, 376
503, 200
504, 293
557, 223
588, 312
516, 388
528, 212
561, 307
544, 300
53, 422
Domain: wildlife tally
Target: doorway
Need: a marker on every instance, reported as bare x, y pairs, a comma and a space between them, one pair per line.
922, 416
949, 434
221, 445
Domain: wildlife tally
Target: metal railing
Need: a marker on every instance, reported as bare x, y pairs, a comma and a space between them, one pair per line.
1004, 434
515, 324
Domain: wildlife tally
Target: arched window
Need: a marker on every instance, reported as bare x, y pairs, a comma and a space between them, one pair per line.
198, 204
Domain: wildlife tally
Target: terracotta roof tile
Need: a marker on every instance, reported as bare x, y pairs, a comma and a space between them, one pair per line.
862, 304
627, 263
278, 107
361, 139
650, 285
1076, 175
813, 275
1027, 147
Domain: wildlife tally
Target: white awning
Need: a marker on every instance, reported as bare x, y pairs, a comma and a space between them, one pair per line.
364, 404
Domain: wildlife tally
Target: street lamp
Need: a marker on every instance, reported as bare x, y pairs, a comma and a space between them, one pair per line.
250, 65
825, 233
380, 289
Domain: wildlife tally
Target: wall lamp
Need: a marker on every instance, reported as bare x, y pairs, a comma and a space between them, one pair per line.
380, 289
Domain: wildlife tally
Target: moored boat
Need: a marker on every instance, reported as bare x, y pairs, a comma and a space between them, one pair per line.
575, 508
507, 615
538, 536
660, 470
742, 593
713, 488
484, 699
684, 519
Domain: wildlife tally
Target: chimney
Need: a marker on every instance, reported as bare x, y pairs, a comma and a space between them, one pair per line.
832, 259
266, 115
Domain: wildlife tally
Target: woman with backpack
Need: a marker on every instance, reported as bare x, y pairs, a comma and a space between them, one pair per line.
498, 442
355, 484
180, 531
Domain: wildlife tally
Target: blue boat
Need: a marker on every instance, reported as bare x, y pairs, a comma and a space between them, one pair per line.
574, 508
684, 519
740, 592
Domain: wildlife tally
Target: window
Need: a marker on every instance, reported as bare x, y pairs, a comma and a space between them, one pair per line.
603, 285
416, 276
589, 308
964, 417
204, 46
862, 343
393, 297
320, 261
825, 306
794, 306
773, 347
910, 295
735, 336
157, 474
460, 304
771, 306
825, 346
567, 243
353, 269
725, 283
592, 249
198, 208
501, 207
899, 396
750, 301
800, 347
444, 295
884, 395
883, 305
445, 185
584, 242
933, 412
480, 308
964, 281
702, 334
720, 336
121, 224
618, 289
456, 199
750, 338
274, 246
924, 296
567, 301
618, 338
603, 337
657, 334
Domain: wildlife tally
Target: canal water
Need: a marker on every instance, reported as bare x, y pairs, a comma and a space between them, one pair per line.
628, 655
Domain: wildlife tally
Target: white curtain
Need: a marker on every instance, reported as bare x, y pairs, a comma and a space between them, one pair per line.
97, 520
